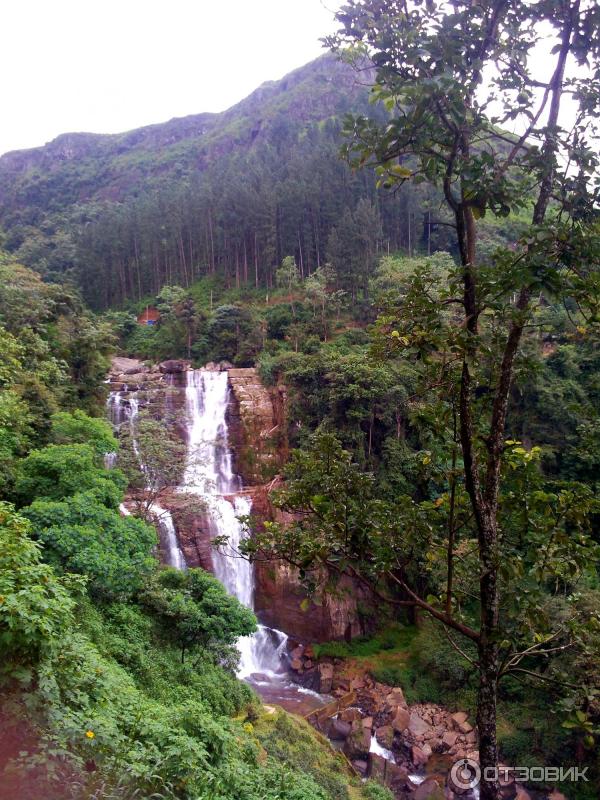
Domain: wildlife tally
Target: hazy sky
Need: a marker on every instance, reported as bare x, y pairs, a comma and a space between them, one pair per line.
112, 65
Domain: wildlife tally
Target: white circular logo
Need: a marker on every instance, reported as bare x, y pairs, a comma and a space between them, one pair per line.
465, 774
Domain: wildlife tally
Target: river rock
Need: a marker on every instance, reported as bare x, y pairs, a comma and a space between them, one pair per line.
358, 743
376, 767
417, 726
326, 677
385, 736
172, 366
339, 729
401, 720
430, 789
449, 738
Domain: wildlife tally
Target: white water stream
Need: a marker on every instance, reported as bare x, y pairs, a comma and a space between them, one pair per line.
209, 474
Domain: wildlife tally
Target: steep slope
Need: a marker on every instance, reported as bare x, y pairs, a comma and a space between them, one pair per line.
82, 166
226, 194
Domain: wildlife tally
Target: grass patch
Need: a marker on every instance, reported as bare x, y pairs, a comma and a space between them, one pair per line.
393, 637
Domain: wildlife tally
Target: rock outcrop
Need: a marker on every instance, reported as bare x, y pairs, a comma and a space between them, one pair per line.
257, 426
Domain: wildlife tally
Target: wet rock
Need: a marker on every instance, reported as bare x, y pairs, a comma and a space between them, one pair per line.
377, 767
396, 776
385, 736
296, 664
368, 722
326, 677
358, 743
430, 789
339, 729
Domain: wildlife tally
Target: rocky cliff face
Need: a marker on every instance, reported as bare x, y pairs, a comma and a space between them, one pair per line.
257, 429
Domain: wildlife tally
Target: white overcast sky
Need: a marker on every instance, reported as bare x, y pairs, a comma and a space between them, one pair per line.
111, 65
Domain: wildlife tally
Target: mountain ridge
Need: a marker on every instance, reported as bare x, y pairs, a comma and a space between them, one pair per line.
76, 144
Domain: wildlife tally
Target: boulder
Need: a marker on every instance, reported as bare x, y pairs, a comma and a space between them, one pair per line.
395, 698
376, 767
465, 727
172, 366
385, 736
449, 738
326, 677
350, 714
401, 720
418, 757
296, 664
368, 722
396, 776
417, 726
358, 743
339, 729
459, 717
361, 766
430, 789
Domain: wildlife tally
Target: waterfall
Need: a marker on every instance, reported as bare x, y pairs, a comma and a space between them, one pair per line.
118, 413
209, 474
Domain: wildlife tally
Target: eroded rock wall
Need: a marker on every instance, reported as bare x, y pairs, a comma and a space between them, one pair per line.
257, 427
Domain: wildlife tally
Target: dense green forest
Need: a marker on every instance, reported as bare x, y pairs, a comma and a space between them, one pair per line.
429, 297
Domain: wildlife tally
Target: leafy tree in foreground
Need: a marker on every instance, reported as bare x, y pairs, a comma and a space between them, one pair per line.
431, 64
438, 67
80, 535
79, 428
197, 612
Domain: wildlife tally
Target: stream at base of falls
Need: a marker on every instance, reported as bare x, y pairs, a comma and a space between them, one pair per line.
209, 475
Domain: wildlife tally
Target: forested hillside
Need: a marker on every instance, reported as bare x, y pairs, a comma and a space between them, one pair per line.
228, 194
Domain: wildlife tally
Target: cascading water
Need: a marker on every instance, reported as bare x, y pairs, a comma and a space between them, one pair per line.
120, 412
209, 474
